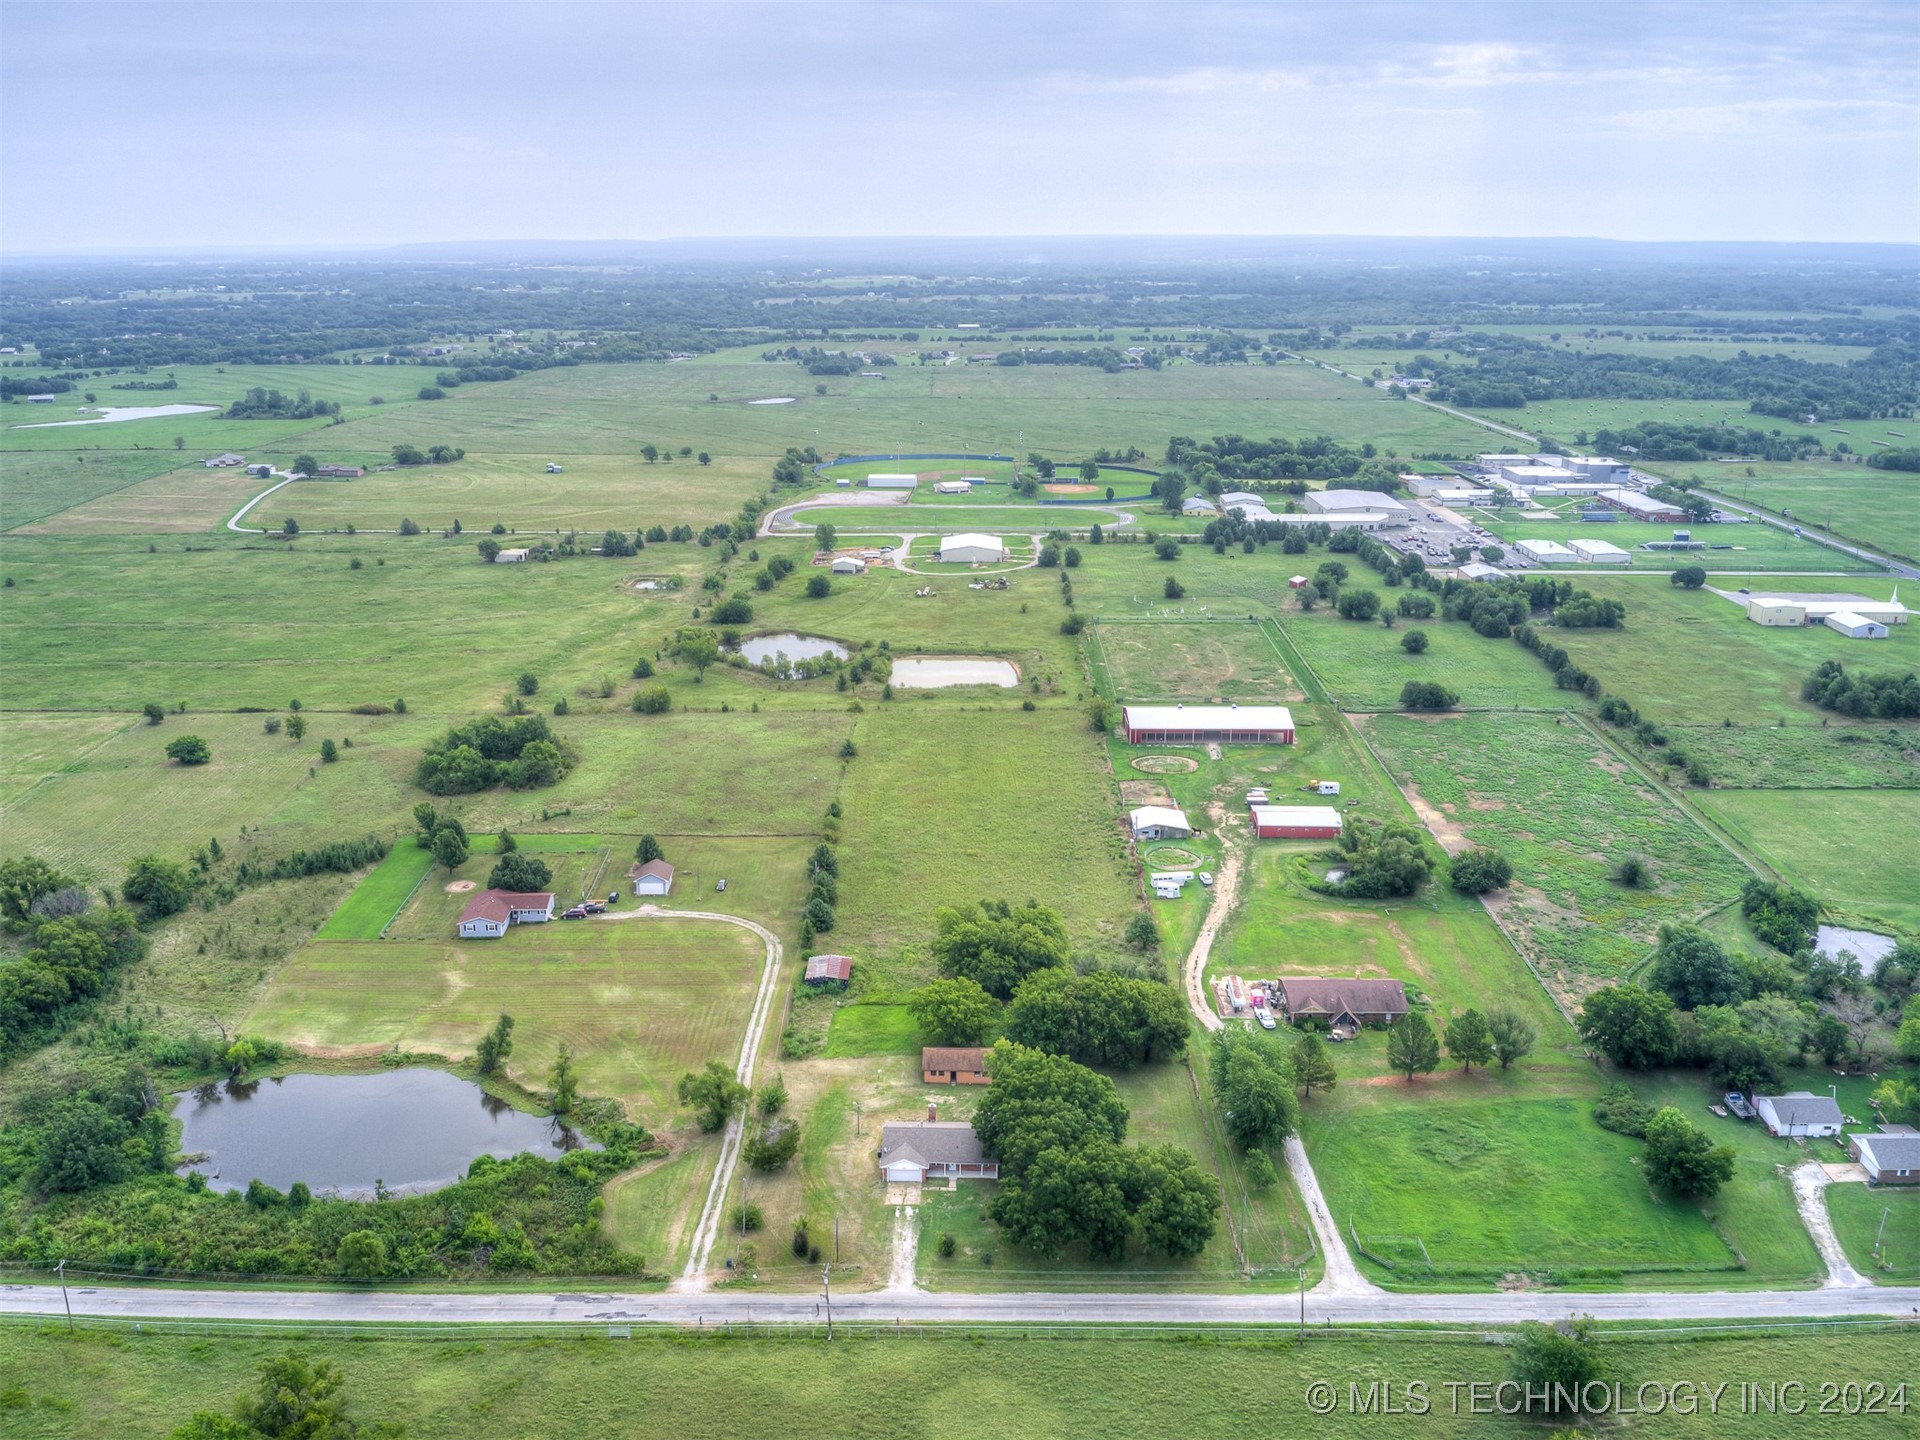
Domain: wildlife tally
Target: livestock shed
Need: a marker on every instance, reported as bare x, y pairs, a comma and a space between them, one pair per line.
1799, 1112
1600, 552
655, 877
953, 1064
1344, 1004
1210, 724
1891, 1157
1546, 552
1159, 822
849, 565
1295, 822
828, 969
971, 549
489, 913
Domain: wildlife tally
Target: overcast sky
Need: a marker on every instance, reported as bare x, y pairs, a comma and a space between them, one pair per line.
296, 124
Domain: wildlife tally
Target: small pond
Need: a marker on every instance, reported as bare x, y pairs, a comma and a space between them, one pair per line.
113, 414
923, 673
414, 1130
1864, 945
794, 647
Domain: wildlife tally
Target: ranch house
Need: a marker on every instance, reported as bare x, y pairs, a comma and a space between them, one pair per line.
1218, 724
490, 912
653, 878
1891, 1157
953, 1064
1799, 1112
915, 1151
1295, 822
1342, 1005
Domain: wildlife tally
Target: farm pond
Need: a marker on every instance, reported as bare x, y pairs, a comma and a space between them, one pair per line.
795, 647
410, 1130
114, 414
919, 673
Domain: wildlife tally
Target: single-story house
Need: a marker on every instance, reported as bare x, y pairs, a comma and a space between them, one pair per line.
340, 472
971, 548
653, 878
1295, 822
490, 912
511, 557
1159, 822
1890, 1157
223, 462
848, 565
953, 1064
1342, 1003
1799, 1112
1856, 626
1196, 505
1219, 724
828, 969
913, 1151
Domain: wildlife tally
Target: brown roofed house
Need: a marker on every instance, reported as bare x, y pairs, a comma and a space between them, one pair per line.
653, 878
1343, 1004
953, 1065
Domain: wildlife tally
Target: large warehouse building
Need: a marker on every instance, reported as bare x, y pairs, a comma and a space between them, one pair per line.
1546, 552
1335, 502
1601, 552
974, 549
1203, 724
1641, 507
1295, 822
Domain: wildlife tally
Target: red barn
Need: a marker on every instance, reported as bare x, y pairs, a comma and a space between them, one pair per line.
1296, 822
1216, 724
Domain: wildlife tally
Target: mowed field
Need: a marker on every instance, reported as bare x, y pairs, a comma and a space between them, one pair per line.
1853, 849
1854, 499
1363, 667
640, 1001
1565, 811
1190, 663
37, 483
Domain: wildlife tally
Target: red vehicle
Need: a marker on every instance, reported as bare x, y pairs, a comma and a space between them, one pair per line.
578, 912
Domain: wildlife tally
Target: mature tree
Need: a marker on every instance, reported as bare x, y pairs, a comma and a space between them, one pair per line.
159, 887
1682, 1159
1688, 577
1174, 1201
1414, 642
1426, 695
1412, 1047
296, 727
449, 848
83, 1146
565, 1084
1066, 1194
1173, 589
304, 465
1167, 548
699, 649
1691, 967
1907, 1039
1557, 1360
517, 870
998, 945
773, 1097
1038, 1101
819, 586
1358, 604
953, 1012
713, 1094
1382, 860
495, 1046
329, 752
362, 1255
1313, 1064
1480, 870
24, 880
189, 750
823, 536
298, 1399
776, 1144
1469, 1040
1100, 1018
648, 850
1254, 1084
1898, 1100
1829, 1037
528, 683
1513, 1035
1631, 1026
1855, 1010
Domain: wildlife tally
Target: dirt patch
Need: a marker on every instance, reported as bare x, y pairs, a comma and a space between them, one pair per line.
460, 887
1474, 802
1066, 489
1143, 792
1610, 765
1448, 833
1164, 764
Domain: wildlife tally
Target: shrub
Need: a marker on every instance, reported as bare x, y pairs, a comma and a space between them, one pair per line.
652, 700
189, 750
1481, 870
1427, 695
818, 588
1414, 642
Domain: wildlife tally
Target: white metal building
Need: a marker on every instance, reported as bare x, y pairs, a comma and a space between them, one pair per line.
1333, 502
1601, 552
1855, 626
1479, 570
1765, 610
951, 487
892, 482
1642, 507
1533, 476
848, 565
1159, 822
1546, 552
971, 548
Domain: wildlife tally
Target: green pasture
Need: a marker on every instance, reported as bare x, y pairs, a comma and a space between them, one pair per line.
1858, 1213
975, 804
1805, 756
36, 746
190, 500
37, 483
862, 1030
894, 520
1565, 811
1363, 667
1847, 496
651, 1211
1692, 657
377, 899
1565, 419
141, 1385
640, 1001
1853, 849
1755, 548
1180, 663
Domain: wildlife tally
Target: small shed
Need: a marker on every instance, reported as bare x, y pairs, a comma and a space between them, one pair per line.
653, 878
1296, 582
511, 557
1159, 822
828, 970
848, 565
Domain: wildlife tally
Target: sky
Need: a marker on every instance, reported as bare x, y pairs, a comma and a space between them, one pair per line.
309, 125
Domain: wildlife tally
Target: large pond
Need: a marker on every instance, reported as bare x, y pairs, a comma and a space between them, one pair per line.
412, 1130
1864, 945
794, 647
921, 673
113, 414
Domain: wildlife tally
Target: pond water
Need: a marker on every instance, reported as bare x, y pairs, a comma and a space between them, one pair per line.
794, 647
112, 414
773, 400
1864, 945
930, 674
414, 1130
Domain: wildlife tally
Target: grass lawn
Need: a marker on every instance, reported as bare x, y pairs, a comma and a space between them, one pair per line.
1363, 666
377, 899
1853, 849
1857, 1212
141, 1386
1171, 663
1754, 548
858, 1031
1565, 812
639, 1001
651, 1211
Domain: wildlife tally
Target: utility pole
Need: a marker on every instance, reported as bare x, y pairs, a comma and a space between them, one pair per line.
1881, 1233
1303, 1304
836, 1237
856, 1117
826, 1281
61, 1270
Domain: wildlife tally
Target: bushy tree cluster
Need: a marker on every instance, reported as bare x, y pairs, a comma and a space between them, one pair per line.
521, 753
1382, 858
1879, 697
1782, 916
1101, 1018
998, 945
69, 962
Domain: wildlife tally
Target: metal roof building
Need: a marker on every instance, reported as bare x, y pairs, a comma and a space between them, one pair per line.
1200, 724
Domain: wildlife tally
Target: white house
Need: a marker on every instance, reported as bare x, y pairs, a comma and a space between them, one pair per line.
653, 878
1855, 626
848, 565
1799, 1112
511, 557
490, 912
1159, 822
971, 549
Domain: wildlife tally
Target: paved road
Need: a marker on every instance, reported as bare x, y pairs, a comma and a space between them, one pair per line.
240, 514
1125, 1306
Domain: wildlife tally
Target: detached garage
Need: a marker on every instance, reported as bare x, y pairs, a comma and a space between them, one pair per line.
1296, 822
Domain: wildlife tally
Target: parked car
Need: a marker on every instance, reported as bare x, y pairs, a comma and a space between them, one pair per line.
1206, 878
1265, 1017
578, 912
594, 907
719, 885
613, 897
